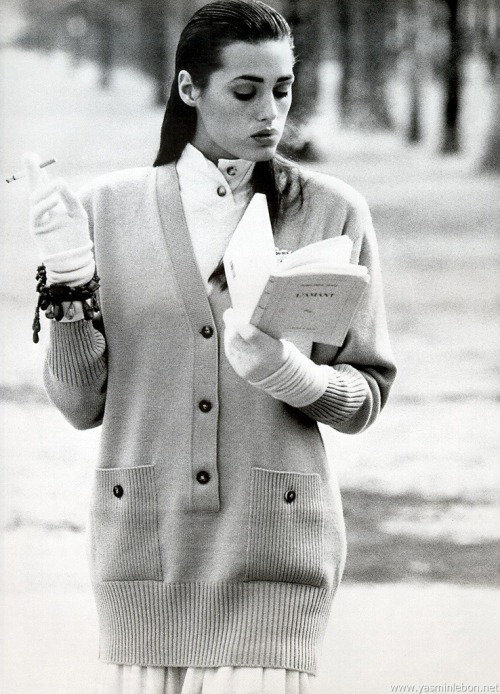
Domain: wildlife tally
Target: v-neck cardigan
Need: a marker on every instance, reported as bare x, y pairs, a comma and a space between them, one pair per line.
216, 534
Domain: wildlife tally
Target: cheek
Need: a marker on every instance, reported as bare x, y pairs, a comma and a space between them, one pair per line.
284, 107
224, 116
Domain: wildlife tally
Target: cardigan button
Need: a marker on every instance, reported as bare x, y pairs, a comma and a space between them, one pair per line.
290, 496
203, 477
205, 405
221, 191
207, 331
118, 491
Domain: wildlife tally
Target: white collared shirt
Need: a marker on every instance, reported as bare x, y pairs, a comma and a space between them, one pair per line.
214, 199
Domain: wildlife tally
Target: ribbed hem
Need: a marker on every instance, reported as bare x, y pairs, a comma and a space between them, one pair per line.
279, 625
76, 351
345, 393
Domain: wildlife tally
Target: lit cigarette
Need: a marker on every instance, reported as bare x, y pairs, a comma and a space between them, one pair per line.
23, 174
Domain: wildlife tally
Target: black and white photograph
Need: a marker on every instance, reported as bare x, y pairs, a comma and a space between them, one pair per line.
249, 340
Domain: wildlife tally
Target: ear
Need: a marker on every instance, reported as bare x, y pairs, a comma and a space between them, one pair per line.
188, 92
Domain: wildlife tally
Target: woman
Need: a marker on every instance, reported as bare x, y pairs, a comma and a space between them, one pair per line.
216, 532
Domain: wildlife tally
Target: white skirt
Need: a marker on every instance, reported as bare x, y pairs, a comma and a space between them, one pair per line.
136, 679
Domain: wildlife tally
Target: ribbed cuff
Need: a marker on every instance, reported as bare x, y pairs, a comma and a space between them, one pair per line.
76, 352
298, 382
344, 395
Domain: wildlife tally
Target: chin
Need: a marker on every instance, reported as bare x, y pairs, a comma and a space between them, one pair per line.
262, 154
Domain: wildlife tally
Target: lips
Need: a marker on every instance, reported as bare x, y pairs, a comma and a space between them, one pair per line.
266, 136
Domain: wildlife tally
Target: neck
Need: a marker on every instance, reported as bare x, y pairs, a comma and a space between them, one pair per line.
209, 150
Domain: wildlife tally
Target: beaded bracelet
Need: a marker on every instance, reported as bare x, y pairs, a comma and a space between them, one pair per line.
52, 297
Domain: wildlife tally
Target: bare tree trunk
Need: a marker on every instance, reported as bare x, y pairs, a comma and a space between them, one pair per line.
363, 25
490, 160
453, 82
104, 30
376, 17
303, 16
154, 53
346, 45
411, 54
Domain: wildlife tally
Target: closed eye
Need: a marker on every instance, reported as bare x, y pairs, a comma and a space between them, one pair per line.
244, 96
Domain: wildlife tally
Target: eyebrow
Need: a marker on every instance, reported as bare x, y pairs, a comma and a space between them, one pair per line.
260, 80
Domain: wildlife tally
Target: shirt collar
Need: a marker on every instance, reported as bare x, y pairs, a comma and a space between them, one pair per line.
237, 172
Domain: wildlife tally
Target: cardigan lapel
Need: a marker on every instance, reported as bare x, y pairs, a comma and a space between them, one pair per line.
205, 354
180, 247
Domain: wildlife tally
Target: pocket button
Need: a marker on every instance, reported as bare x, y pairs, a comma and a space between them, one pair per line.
290, 496
118, 491
203, 477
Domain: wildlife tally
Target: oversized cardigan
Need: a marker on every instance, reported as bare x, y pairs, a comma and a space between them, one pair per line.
216, 534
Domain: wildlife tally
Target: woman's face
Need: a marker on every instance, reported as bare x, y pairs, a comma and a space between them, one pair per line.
242, 112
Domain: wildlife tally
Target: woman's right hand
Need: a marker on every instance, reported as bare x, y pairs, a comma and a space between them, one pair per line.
59, 226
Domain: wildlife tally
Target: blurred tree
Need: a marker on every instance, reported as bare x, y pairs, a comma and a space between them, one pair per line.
303, 17
83, 28
363, 28
154, 54
490, 47
453, 79
414, 125
411, 44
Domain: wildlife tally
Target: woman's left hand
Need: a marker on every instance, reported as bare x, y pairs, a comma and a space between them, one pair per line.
254, 355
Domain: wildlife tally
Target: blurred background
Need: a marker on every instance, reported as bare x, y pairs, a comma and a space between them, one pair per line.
400, 98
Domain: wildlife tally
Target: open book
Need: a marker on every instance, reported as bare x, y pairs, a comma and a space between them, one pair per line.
313, 291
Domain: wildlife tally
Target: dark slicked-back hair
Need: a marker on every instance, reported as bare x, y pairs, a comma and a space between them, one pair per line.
199, 51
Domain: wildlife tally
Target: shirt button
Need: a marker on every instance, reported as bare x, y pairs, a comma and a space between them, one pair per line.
207, 331
231, 170
205, 405
290, 496
203, 477
118, 491
221, 191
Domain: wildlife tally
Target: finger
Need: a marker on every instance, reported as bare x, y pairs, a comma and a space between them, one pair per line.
35, 174
71, 201
41, 208
233, 318
227, 316
233, 342
45, 190
248, 332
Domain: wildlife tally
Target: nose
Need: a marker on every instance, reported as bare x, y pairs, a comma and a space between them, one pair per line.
268, 110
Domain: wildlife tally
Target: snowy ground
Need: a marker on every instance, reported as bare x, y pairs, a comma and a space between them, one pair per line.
420, 602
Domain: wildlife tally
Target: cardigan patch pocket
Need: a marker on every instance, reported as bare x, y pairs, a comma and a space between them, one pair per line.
285, 531
124, 539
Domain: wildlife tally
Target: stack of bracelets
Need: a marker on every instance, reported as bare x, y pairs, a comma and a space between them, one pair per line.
52, 297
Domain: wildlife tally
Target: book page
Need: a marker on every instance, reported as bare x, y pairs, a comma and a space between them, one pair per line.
322, 268
335, 251
250, 256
